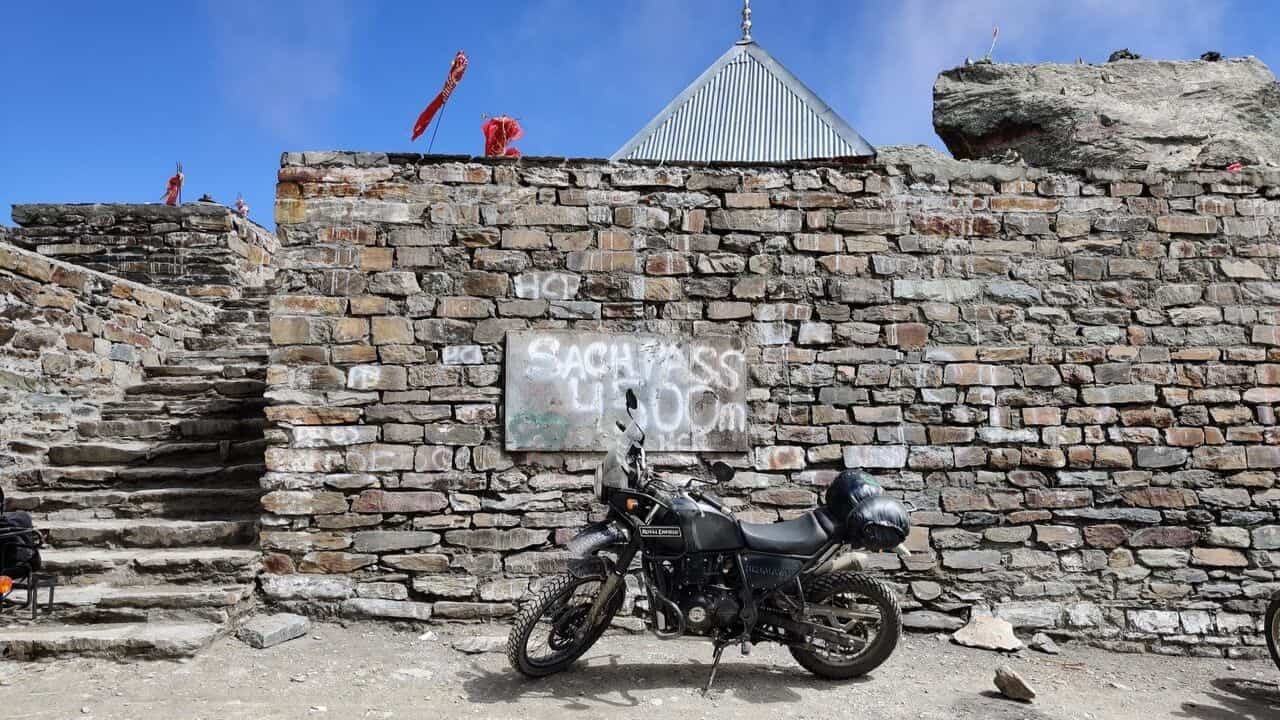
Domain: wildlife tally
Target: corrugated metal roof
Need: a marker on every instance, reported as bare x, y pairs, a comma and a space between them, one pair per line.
746, 107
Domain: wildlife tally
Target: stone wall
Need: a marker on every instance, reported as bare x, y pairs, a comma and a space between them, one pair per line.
1070, 377
70, 340
201, 250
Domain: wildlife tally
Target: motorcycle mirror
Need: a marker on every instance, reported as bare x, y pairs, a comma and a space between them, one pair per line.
721, 472
633, 402
621, 427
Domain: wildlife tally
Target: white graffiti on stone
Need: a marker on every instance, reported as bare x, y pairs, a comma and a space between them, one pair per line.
546, 286
463, 355
691, 391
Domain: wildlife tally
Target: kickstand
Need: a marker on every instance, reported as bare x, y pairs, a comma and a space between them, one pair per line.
715, 663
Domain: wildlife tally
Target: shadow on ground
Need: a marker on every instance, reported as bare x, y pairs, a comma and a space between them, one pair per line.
994, 706
1236, 699
609, 682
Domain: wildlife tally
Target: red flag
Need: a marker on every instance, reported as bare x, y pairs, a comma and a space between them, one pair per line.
498, 132
458, 67
173, 191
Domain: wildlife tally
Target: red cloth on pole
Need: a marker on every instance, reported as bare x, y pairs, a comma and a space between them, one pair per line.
456, 70
173, 190
498, 133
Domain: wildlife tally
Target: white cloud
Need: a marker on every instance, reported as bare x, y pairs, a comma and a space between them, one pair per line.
281, 62
893, 80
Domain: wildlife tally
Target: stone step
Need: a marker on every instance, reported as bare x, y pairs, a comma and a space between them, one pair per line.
117, 640
202, 408
81, 566
193, 387
175, 371
215, 342
155, 453
191, 503
242, 353
134, 428
90, 477
150, 533
146, 597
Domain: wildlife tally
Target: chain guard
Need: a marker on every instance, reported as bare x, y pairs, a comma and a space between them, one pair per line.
802, 632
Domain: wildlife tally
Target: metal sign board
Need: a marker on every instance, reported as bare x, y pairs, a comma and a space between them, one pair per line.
566, 389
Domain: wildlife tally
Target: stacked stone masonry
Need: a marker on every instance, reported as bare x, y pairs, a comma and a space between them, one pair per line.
71, 340
1070, 377
133, 433
201, 250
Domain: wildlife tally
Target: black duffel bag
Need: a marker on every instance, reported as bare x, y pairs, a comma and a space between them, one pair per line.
19, 543
879, 523
870, 519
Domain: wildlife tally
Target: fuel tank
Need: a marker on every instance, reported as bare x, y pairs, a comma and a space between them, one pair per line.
691, 526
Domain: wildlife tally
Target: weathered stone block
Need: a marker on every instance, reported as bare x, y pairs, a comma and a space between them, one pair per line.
266, 631
379, 541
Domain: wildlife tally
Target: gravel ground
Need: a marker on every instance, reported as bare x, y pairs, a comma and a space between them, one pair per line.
382, 671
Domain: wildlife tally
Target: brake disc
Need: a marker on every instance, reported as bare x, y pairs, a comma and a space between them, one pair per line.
564, 626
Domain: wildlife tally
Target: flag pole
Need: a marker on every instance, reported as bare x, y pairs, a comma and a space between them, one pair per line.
439, 122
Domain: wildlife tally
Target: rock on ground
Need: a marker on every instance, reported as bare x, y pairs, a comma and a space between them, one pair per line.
266, 631
1044, 644
988, 633
1127, 113
1011, 685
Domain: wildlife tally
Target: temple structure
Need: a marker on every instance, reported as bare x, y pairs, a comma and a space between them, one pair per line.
746, 107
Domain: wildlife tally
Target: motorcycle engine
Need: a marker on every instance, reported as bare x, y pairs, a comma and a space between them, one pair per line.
706, 609
707, 596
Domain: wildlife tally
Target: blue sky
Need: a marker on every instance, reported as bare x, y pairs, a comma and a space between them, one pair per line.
100, 98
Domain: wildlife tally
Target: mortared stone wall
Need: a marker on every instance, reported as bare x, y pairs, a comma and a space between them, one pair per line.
1070, 377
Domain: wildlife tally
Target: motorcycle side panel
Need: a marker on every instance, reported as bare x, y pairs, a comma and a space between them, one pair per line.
766, 572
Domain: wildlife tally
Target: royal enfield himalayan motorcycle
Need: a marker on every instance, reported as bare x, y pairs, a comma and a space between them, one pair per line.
705, 573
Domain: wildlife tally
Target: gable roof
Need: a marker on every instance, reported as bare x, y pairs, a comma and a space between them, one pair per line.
746, 107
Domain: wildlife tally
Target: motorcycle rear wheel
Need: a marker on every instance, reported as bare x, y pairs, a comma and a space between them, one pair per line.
853, 590
558, 610
1273, 628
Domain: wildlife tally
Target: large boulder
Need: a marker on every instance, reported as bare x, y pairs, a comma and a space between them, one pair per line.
1154, 113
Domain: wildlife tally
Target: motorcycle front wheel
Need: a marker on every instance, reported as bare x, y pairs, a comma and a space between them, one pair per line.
545, 636
1273, 628
865, 610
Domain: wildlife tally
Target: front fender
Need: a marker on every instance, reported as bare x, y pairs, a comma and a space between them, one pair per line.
584, 549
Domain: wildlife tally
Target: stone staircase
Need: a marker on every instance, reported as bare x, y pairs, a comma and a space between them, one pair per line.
151, 516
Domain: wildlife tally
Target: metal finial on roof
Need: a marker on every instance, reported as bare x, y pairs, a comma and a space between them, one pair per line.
746, 21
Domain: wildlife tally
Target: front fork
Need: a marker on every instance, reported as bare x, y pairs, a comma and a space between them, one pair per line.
615, 578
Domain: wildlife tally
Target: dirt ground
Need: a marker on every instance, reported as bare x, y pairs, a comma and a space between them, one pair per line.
380, 671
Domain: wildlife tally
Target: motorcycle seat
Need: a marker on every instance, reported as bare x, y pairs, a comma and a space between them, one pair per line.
804, 535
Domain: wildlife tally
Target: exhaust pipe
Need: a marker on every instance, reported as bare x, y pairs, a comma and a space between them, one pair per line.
855, 560
840, 563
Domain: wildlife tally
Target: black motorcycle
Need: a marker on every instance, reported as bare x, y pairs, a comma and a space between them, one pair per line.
707, 574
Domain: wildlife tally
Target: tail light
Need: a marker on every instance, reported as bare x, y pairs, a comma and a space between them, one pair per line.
6, 585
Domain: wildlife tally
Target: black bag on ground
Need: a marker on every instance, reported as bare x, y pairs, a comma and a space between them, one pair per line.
19, 543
